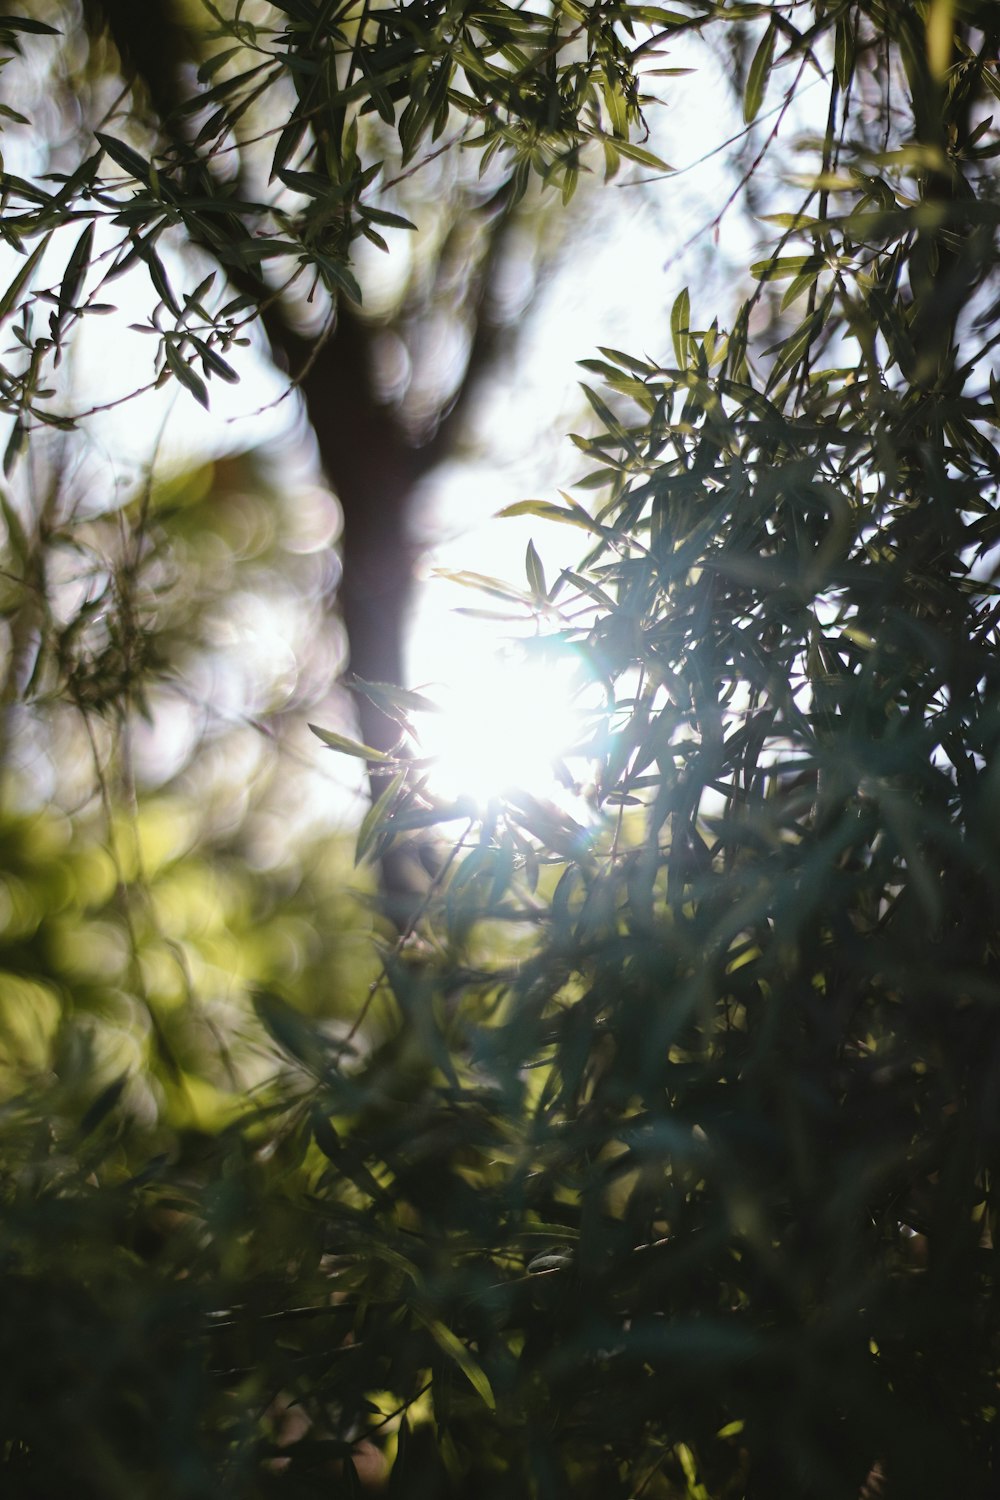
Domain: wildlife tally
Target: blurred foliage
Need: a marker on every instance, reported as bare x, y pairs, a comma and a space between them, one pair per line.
655, 1156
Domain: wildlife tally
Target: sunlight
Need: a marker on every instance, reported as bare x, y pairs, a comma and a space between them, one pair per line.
511, 718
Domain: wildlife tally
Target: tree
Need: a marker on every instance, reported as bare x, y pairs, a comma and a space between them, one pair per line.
668, 1169
158, 48
374, 451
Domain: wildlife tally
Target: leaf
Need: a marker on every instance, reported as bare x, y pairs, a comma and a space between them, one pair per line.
339, 277
9, 299
643, 157
325, 1135
844, 51
940, 37
381, 216
23, 23
194, 299
158, 276
456, 1350
613, 427
395, 702
211, 361
796, 346
288, 143
15, 447
102, 1105
293, 1032
76, 269
128, 159
638, 367
757, 77
569, 515
535, 572
208, 69
188, 377
669, 19
797, 287
481, 581
399, 1479
373, 821
15, 531
348, 746
777, 268
680, 327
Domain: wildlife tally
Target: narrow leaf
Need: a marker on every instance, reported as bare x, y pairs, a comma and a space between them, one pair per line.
535, 572
456, 1350
372, 822
15, 446
348, 746
680, 327
129, 160
395, 702
76, 269
940, 37
760, 71
570, 515
188, 378
844, 51
9, 299
22, 23
102, 1105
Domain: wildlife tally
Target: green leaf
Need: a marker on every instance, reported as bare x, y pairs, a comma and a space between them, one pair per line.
76, 270
777, 267
670, 20
294, 1033
940, 37
288, 143
535, 572
24, 23
569, 515
9, 299
158, 274
797, 287
212, 361
844, 51
643, 157
15, 531
381, 216
338, 277
102, 1105
796, 347
680, 327
760, 72
639, 367
374, 818
15, 446
128, 159
456, 1350
485, 585
188, 377
612, 426
348, 746
395, 702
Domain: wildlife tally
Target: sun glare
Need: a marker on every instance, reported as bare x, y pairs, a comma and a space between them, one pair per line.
512, 720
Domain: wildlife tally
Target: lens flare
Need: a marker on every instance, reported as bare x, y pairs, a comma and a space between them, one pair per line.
512, 721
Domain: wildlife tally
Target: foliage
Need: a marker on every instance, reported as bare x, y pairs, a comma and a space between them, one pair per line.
659, 1157
536, 87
